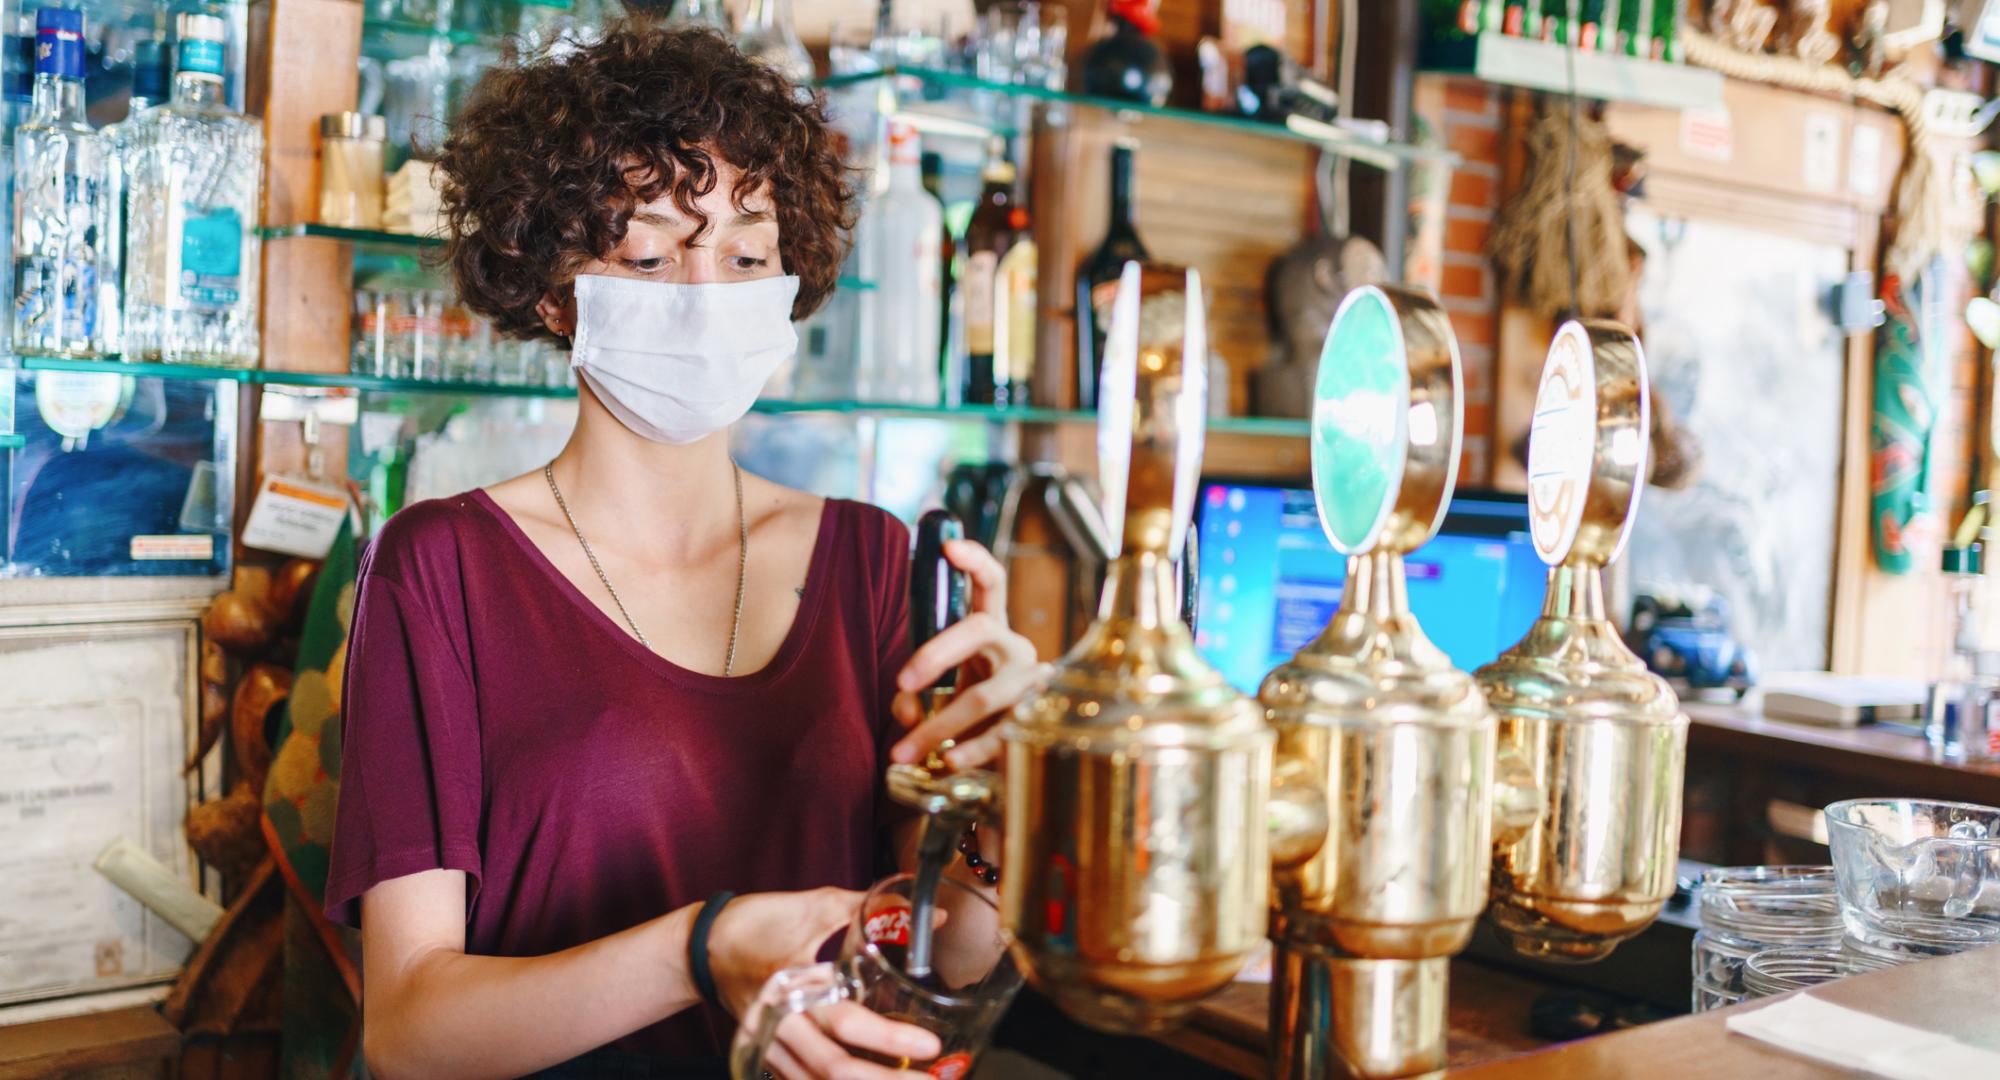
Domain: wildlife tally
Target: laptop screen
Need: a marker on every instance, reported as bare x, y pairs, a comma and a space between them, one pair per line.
1270, 580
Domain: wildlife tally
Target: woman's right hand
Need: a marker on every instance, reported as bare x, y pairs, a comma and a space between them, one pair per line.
760, 934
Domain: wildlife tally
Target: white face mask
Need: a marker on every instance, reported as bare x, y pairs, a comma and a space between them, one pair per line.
678, 363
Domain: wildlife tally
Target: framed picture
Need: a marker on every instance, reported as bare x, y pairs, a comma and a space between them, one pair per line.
95, 727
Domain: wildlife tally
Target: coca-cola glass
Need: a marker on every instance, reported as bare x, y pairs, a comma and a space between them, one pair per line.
971, 982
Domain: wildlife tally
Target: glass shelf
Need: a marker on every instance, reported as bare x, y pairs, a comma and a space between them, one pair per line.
1325, 136
193, 372
375, 28
365, 237
1234, 425
381, 384
1260, 425
899, 411
1548, 66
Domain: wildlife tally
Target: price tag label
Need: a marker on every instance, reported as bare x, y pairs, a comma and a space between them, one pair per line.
1562, 442
295, 517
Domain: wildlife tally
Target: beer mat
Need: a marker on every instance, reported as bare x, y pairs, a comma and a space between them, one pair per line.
1823, 1031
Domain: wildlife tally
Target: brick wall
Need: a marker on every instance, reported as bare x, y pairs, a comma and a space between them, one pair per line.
1466, 115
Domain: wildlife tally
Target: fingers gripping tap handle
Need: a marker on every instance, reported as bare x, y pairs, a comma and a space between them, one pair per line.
940, 594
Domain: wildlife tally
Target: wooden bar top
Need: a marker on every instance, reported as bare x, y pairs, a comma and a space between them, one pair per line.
1957, 996
1887, 759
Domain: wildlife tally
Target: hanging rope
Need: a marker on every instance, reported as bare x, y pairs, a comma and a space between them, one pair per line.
1922, 229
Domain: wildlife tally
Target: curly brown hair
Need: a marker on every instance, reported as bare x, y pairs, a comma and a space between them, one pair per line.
550, 157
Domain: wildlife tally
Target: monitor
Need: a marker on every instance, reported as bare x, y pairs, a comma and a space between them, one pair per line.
1270, 579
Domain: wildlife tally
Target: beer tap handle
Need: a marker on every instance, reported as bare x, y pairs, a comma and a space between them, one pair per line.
940, 594
1152, 408
1189, 579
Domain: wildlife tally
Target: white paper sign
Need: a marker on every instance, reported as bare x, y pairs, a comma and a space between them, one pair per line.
1708, 134
1820, 163
295, 517
1864, 162
92, 736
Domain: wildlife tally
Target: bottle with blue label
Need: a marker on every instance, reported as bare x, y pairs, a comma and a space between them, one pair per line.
194, 174
61, 216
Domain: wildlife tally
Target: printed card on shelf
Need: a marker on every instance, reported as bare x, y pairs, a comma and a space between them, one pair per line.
293, 516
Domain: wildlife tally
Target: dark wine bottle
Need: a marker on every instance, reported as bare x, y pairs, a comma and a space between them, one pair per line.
996, 225
1127, 63
1097, 280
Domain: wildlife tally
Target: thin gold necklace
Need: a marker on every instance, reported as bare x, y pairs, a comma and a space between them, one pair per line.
742, 562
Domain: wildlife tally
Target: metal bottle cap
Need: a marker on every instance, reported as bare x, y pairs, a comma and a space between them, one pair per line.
151, 77
201, 44
59, 42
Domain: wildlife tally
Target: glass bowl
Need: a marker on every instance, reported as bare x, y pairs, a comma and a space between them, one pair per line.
1917, 876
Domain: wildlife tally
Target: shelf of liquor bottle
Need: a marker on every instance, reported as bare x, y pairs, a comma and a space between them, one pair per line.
1332, 139
1542, 65
364, 237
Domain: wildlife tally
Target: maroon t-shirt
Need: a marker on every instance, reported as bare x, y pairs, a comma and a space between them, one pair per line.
498, 723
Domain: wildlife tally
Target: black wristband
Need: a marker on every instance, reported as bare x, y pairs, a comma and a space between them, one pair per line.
704, 979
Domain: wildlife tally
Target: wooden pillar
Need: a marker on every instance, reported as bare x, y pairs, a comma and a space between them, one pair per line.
307, 53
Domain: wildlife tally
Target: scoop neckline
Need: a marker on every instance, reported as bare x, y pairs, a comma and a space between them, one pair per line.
789, 650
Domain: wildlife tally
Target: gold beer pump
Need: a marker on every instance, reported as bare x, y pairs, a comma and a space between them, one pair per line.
1137, 863
1401, 742
1604, 738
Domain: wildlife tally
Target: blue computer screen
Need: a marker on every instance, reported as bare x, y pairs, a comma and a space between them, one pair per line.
1270, 580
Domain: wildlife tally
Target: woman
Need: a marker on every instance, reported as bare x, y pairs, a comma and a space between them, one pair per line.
581, 701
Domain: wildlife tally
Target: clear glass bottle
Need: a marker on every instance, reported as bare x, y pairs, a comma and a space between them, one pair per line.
768, 36
901, 341
151, 85
709, 13
62, 221
1954, 696
196, 171
1747, 909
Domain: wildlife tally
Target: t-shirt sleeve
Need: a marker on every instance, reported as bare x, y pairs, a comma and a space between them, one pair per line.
410, 778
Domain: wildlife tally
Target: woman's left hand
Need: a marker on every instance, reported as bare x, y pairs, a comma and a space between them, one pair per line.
997, 668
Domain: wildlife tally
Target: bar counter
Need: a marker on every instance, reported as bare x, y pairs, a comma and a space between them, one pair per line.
1953, 995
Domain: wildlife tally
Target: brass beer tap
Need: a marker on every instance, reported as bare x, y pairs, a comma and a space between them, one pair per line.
1603, 738
1372, 714
1137, 862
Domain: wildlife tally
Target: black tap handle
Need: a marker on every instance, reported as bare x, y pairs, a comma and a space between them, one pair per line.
940, 593
1190, 578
